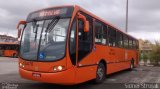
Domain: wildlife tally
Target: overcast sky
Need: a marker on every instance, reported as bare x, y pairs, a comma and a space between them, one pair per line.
144, 15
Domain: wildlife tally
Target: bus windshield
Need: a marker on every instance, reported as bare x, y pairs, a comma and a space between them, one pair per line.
44, 40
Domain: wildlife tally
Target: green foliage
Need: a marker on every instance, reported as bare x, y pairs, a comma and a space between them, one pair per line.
145, 57
141, 56
155, 53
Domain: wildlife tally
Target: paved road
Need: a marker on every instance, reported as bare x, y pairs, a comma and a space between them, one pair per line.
143, 77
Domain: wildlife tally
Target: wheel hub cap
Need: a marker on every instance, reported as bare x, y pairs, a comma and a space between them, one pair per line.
100, 73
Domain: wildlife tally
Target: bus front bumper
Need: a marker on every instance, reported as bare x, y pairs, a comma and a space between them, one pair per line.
66, 77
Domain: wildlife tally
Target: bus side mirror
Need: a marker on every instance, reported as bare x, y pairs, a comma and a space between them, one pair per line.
86, 26
86, 23
20, 29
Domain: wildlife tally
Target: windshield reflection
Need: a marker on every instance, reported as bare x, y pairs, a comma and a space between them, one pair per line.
52, 42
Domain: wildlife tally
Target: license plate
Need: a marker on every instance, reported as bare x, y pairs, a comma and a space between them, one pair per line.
36, 74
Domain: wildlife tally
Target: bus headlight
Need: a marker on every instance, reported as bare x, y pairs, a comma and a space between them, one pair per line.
23, 66
20, 64
58, 68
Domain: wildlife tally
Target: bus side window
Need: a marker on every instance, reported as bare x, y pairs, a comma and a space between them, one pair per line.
134, 44
112, 37
104, 35
130, 43
119, 39
12, 47
125, 41
98, 32
8, 47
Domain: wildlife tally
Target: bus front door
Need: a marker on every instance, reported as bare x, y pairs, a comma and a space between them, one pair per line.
86, 68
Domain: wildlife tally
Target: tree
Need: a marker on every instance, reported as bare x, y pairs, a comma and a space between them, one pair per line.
155, 53
145, 58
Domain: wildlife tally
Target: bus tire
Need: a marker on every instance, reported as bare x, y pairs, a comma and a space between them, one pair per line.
14, 55
132, 65
100, 73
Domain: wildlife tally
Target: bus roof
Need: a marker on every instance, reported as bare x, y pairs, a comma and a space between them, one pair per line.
91, 14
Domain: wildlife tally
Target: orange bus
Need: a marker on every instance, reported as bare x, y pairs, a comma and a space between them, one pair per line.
9, 49
68, 45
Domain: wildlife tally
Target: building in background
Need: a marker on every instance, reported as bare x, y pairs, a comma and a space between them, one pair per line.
5, 38
145, 46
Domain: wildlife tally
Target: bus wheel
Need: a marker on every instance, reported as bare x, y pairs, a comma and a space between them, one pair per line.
132, 64
101, 73
14, 55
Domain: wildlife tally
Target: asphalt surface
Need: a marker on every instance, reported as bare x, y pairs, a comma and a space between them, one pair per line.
139, 78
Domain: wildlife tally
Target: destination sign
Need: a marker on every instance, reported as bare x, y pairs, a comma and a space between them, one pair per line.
50, 13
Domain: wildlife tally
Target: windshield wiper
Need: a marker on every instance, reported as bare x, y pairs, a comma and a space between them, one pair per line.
51, 25
34, 24
35, 28
35, 38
